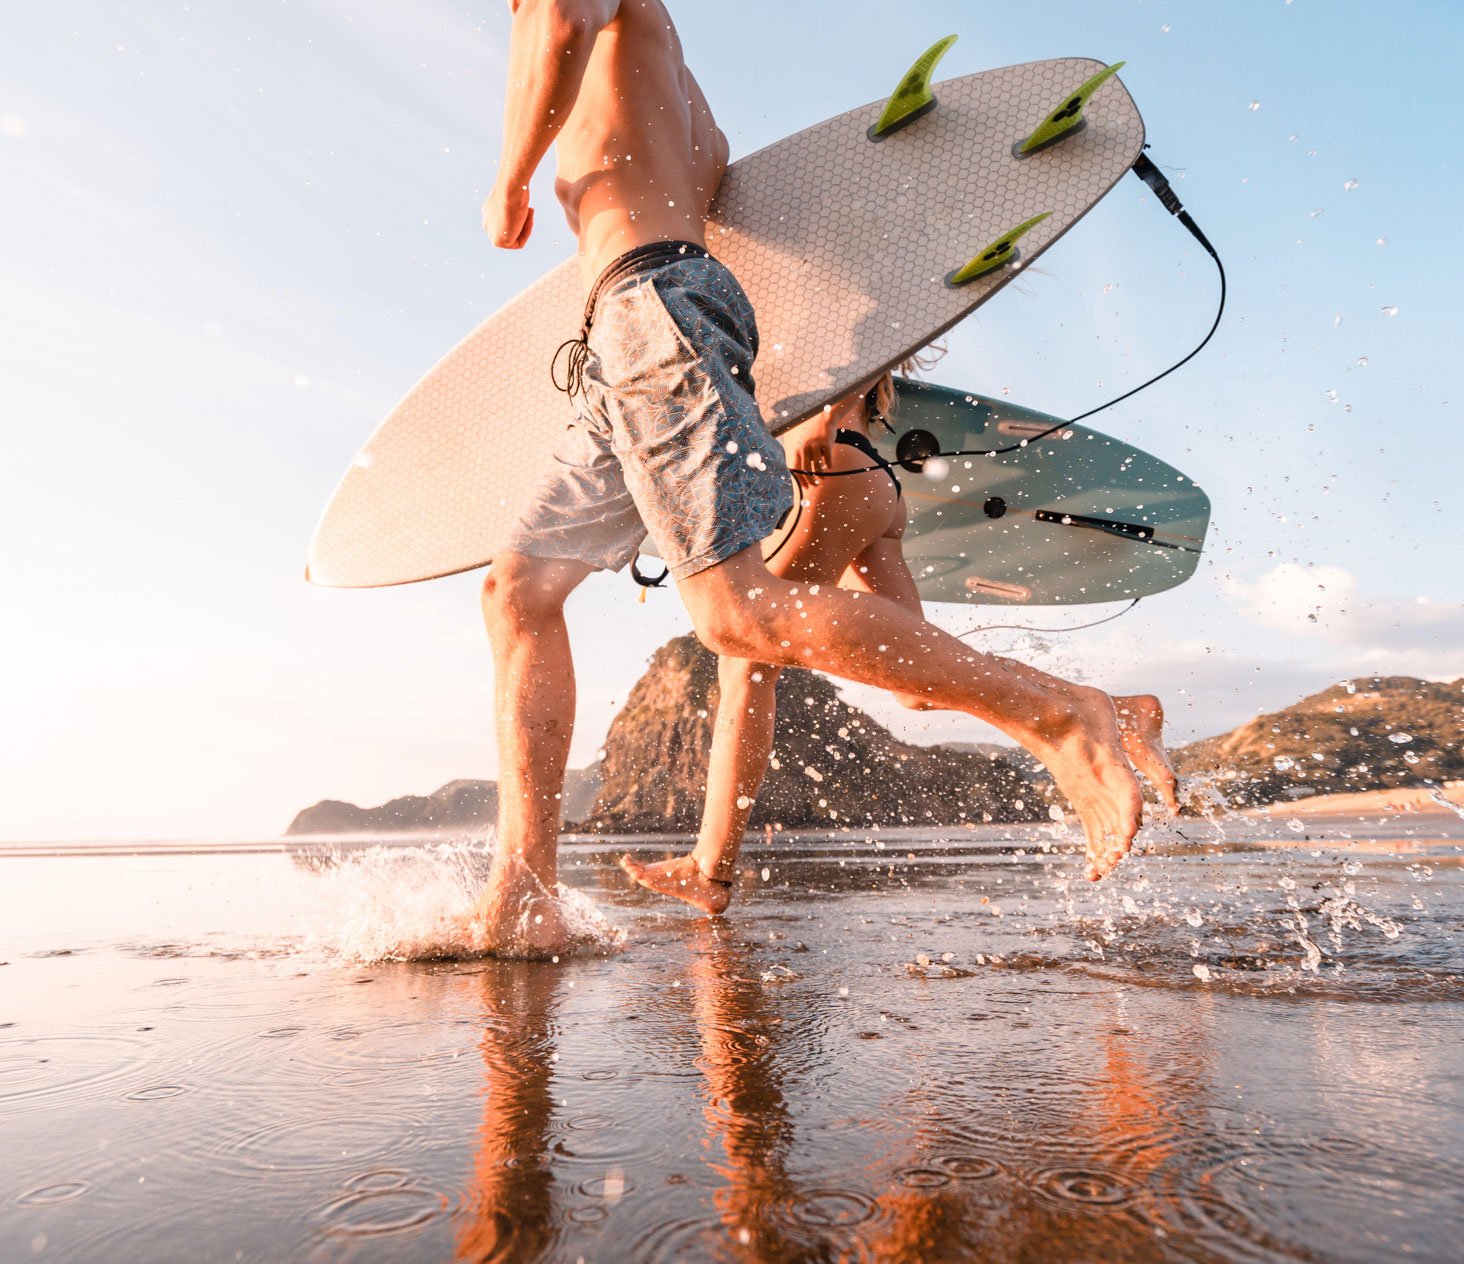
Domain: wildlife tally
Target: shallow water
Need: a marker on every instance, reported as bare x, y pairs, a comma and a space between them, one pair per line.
902, 1048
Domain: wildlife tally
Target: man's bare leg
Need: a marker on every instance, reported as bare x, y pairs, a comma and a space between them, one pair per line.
742, 610
742, 740
523, 609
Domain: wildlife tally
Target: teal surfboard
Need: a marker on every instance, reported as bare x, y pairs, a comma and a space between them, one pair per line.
1047, 519
1009, 506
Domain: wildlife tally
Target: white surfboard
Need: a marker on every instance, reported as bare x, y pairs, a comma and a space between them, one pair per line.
846, 246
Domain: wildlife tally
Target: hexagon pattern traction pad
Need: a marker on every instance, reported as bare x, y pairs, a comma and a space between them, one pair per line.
841, 243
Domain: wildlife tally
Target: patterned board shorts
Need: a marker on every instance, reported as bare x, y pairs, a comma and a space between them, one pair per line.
667, 439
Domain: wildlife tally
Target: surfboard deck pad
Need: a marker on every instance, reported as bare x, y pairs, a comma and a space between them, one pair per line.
843, 245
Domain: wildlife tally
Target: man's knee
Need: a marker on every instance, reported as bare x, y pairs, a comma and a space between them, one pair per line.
521, 591
732, 631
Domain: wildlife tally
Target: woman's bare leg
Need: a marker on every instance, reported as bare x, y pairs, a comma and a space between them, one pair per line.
838, 517
742, 740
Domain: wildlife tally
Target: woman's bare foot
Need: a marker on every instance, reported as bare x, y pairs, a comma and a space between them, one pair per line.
1080, 744
681, 879
1141, 726
518, 916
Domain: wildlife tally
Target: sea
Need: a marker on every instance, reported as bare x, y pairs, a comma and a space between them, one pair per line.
1246, 1045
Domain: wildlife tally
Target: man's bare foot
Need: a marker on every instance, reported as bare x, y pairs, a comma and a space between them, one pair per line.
1080, 744
681, 879
518, 916
1141, 726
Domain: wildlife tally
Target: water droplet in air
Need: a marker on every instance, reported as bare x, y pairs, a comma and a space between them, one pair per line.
1296, 827
1382, 241
1362, 362
1315, 212
1336, 320
1390, 311
1349, 185
1351, 867
1254, 106
743, 802
1400, 738
1283, 762
1202, 973
1409, 757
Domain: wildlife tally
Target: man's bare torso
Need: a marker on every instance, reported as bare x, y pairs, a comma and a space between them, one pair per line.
640, 156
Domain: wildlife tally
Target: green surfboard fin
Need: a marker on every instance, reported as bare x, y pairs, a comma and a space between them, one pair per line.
1068, 118
913, 98
997, 255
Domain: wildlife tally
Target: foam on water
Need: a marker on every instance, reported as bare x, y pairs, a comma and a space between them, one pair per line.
417, 904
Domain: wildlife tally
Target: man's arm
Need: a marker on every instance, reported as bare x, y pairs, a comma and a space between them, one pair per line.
547, 55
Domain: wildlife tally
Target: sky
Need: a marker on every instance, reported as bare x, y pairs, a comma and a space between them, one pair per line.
232, 236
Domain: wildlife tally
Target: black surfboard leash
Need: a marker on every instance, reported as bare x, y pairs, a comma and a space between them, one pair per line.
917, 453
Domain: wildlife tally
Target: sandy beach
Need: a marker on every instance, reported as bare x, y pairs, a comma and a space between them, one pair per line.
898, 1047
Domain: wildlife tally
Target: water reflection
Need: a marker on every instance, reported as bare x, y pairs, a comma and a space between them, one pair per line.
508, 1208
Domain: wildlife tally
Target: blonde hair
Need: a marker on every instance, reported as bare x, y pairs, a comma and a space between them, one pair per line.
884, 389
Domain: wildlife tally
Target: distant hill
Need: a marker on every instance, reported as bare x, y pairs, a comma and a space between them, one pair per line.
1372, 733
457, 805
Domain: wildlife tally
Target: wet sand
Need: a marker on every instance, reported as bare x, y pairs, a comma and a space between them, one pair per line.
900, 1047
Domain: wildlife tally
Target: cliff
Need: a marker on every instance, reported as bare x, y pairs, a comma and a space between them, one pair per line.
832, 765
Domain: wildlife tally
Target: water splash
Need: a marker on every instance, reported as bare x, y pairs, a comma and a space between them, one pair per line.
416, 904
